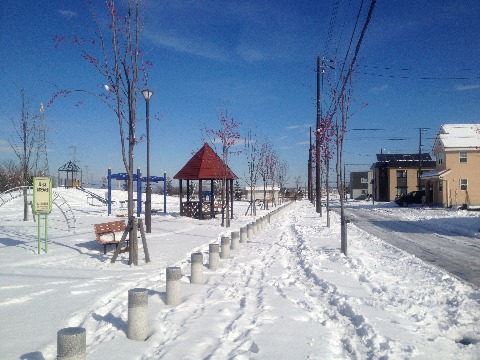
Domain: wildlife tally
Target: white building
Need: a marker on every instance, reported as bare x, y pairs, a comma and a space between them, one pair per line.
258, 192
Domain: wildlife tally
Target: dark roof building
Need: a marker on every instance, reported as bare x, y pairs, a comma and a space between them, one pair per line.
398, 174
403, 160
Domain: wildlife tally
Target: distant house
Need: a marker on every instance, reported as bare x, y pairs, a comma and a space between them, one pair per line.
398, 174
258, 192
361, 184
456, 177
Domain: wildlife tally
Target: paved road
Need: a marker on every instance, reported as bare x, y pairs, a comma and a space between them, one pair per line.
451, 247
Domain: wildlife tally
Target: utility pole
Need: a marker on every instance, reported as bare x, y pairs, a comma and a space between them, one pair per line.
310, 170
41, 163
73, 154
318, 183
420, 158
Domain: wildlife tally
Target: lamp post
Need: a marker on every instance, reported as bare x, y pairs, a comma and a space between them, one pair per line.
147, 94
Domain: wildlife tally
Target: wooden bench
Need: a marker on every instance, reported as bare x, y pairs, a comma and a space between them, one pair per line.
105, 233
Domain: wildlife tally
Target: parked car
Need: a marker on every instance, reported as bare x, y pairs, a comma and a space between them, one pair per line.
414, 197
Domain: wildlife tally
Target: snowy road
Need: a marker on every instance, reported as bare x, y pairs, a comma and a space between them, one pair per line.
453, 245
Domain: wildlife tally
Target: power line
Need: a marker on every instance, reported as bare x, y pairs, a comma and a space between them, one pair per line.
406, 73
354, 59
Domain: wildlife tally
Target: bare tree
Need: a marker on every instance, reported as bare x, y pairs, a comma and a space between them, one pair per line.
252, 154
115, 54
228, 136
264, 167
340, 103
11, 175
281, 174
273, 166
25, 129
298, 180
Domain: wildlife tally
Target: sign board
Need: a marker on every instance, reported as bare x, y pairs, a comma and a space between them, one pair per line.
42, 195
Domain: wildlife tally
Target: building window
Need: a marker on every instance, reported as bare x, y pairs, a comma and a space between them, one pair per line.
401, 174
440, 186
364, 180
440, 158
463, 184
364, 192
401, 191
463, 156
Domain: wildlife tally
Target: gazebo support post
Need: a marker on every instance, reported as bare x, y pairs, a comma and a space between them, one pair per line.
212, 199
227, 201
180, 190
231, 199
200, 200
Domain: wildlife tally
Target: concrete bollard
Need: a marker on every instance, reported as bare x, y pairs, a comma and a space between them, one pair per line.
174, 274
137, 314
249, 231
214, 256
71, 343
225, 248
197, 268
243, 234
235, 240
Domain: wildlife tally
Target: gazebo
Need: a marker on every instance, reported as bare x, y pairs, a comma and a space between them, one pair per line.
73, 169
205, 165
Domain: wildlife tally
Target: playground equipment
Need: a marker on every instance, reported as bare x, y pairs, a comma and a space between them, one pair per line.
139, 179
57, 199
93, 195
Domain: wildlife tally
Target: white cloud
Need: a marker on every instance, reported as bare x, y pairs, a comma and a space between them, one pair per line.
67, 13
5, 147
304, 126
249, 54
380, 88
467, 87
189, 45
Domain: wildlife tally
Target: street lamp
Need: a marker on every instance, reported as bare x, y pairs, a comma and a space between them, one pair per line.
147, 94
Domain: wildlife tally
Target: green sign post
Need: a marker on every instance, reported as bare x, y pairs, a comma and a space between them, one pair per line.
42, 204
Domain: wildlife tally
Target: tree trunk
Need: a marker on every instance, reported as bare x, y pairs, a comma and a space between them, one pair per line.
25, 204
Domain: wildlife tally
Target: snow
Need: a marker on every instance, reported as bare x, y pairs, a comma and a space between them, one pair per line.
287, 294
463, 136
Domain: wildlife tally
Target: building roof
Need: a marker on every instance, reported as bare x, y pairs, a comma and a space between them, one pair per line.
404, 161
205, 165
70, 167
435, 174
458, 137
403, 157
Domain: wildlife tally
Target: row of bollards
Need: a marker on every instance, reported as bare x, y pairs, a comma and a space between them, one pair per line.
72, 341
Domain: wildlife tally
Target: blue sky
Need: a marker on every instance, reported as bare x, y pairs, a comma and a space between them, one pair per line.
418, 67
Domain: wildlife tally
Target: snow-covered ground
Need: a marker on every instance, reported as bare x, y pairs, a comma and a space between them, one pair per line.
286, 294
447, 238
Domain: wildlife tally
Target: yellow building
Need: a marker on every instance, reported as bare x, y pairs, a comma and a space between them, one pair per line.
395, 175
455, 181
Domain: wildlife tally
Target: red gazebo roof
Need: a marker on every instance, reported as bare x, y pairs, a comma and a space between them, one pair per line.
205, 165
